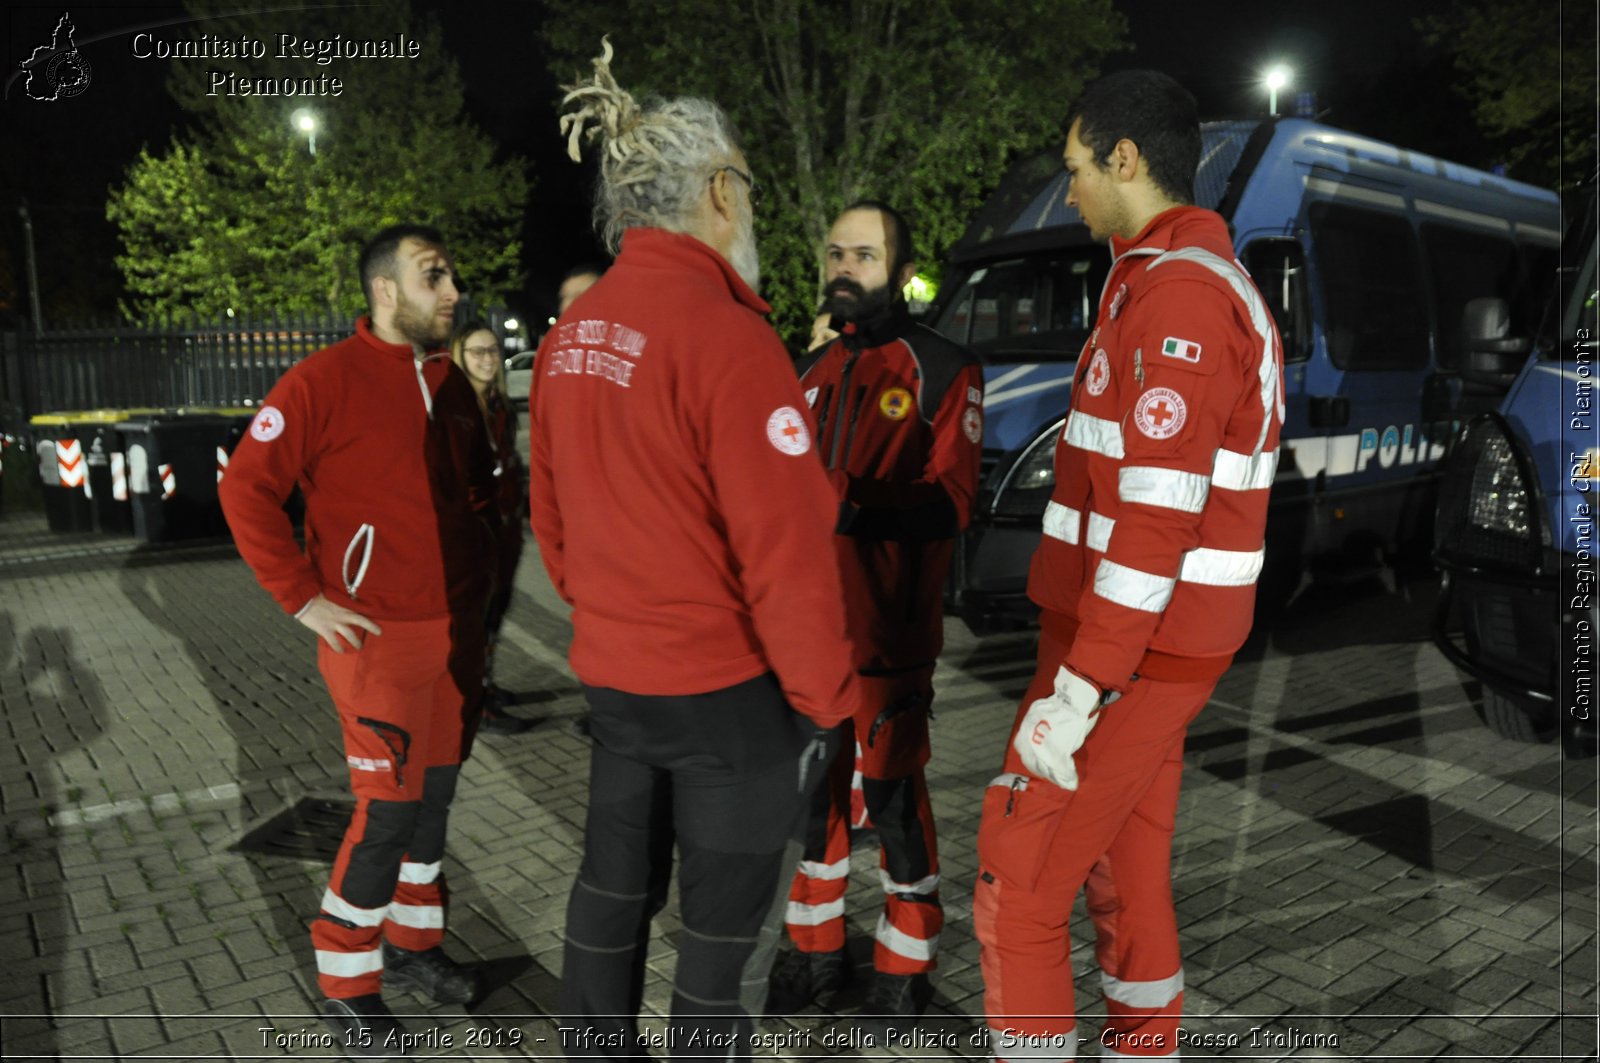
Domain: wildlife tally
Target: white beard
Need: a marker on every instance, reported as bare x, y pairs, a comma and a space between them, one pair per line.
744, 257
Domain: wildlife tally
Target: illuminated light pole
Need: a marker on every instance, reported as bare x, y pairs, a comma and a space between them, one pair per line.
306, 122
1277, 78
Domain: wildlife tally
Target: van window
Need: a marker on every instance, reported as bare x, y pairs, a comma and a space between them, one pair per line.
1041, 306
1278, 266
1371, 278
1466, 265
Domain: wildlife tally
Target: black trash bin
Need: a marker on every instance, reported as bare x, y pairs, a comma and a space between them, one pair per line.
172, 474
105, 452
63, 473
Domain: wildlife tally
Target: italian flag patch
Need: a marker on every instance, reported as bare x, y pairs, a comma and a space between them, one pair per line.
1183, 350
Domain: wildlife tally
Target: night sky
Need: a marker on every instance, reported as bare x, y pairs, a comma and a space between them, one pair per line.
1364, 58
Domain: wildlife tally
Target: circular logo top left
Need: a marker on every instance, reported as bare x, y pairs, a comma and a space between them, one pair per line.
268, 424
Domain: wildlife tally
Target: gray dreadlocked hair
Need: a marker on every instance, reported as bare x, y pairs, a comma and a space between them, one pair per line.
654, 159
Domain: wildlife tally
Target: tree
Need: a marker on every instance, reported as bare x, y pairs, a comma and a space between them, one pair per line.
919, 104
240, 215
1530, 68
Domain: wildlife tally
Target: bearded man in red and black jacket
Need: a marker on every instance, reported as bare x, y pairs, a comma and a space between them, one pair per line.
899, 413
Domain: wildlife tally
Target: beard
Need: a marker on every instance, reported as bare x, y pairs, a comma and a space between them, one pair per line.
419, 328
743, 256
845, 299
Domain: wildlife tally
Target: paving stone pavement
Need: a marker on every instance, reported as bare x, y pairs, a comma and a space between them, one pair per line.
1362, 871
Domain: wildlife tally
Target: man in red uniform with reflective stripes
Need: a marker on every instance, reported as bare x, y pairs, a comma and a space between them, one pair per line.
387, 444
1145, 577
900, 421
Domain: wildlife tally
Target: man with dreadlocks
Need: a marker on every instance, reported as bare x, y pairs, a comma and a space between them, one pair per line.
680, 509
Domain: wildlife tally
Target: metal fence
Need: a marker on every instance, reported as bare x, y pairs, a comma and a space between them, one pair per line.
227, 362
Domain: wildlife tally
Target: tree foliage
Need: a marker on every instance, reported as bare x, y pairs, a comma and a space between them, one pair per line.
922, 105
239, 214
1530, 73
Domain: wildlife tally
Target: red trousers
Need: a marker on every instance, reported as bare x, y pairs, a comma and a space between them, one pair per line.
891, 739
403, 707
1038, 845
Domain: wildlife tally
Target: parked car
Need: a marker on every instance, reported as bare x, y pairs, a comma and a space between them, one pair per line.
519, 378
1367, 254
1518, 609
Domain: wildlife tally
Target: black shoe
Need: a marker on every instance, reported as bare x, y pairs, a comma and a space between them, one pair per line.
798, 978
496, 722
894, 1002
432, 974
365, 1027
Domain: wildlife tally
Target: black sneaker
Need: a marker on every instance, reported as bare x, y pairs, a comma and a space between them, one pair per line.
894, 1002
432, 974
798, 978
364, 1027
496, 722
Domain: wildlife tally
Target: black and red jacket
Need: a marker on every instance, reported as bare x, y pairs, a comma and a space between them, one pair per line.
899, 413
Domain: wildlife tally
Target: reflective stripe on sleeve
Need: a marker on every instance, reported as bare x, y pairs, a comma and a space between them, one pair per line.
1233, 471
1128, 586
338, 907
349, 964
1095, 434
901, 943
1099, 537
1221, 568
1062, 522
1169, 488
1156, 994
813, 914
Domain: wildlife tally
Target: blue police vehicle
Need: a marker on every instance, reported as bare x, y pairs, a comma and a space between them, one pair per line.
1516, 529
1368, 255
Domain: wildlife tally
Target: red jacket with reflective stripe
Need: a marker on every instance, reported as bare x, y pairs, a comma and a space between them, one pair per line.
676, 493
352, 424
1154, 532
899, 410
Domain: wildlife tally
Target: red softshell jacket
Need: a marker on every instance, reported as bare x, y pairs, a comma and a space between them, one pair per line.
676, 493
398, 479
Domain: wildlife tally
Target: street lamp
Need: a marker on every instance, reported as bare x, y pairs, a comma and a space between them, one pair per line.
306, 122
1277, 78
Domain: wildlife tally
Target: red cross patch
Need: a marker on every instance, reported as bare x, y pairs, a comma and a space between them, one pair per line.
1099, 373
1160, 413
786, 430
268, 424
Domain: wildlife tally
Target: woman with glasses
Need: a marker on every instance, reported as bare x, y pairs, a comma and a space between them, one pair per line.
476, 350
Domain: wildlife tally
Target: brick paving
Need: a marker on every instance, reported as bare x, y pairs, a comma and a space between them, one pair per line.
1362, 871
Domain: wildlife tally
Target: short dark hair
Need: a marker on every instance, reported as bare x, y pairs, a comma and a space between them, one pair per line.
1152, 110
896, 232
582, 269
378, 254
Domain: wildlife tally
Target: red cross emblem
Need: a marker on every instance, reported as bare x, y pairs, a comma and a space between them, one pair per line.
1160, 413
268, 424
787, 432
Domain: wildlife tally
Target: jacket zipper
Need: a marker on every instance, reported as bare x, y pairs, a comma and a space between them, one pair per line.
843, 393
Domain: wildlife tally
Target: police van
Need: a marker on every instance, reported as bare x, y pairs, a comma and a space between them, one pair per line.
1368, 255
1515, 534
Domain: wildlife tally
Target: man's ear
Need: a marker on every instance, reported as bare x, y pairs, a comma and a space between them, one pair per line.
904, 275
723, 199
383, 291
1125, 160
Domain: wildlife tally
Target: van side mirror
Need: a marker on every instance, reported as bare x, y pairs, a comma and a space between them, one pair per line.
1493, 357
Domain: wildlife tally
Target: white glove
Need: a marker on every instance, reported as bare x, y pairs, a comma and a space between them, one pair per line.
1055, 727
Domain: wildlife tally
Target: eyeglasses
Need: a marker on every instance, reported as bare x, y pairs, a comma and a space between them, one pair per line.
480, 352
755, 193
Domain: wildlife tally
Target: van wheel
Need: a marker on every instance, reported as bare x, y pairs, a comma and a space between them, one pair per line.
1514, 720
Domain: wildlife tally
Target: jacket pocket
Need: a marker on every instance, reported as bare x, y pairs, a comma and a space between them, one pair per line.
1021, 815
